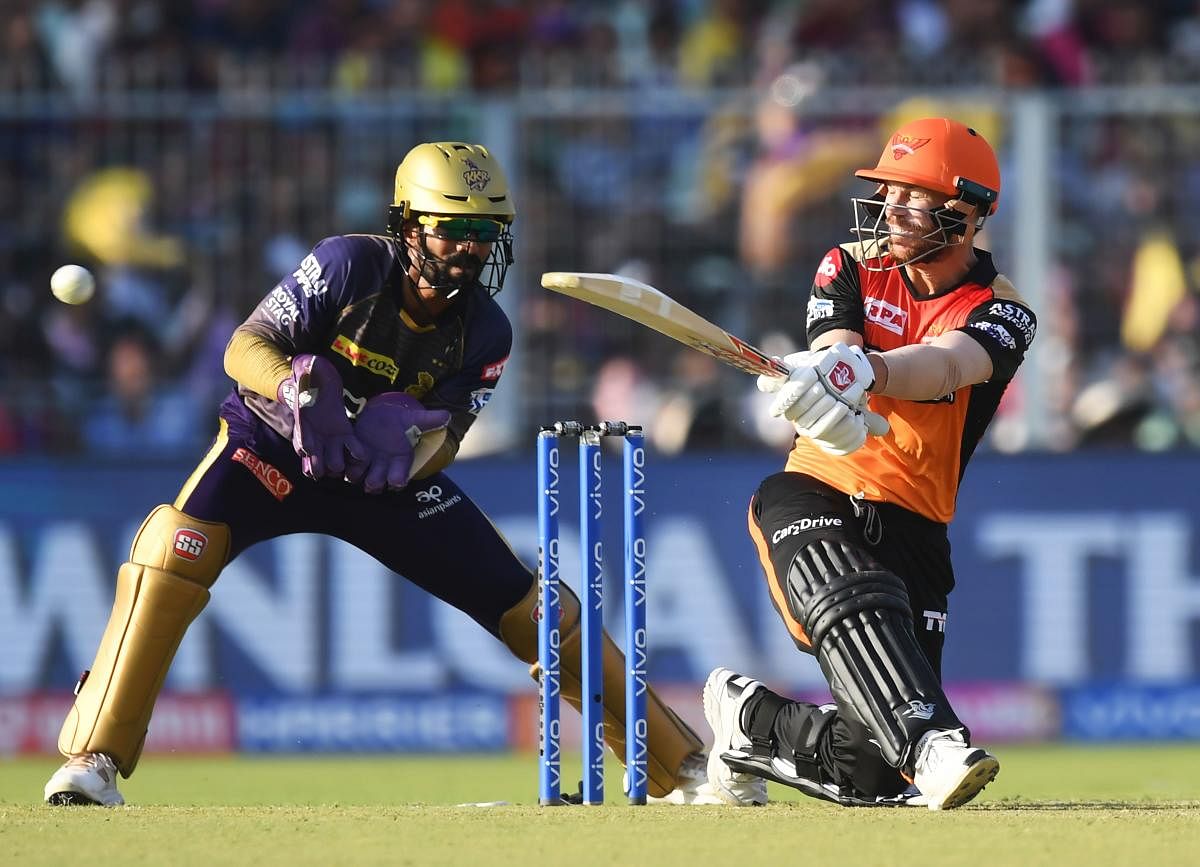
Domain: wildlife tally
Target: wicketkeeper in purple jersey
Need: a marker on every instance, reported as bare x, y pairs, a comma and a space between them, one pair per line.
358, 376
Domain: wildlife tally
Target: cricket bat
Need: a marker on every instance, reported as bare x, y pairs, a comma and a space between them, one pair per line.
645, 304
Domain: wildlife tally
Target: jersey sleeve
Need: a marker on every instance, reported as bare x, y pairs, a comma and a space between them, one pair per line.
836, 298
1005, 328
300, 312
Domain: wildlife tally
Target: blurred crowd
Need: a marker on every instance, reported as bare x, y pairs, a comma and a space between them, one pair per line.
191, 152
499, 45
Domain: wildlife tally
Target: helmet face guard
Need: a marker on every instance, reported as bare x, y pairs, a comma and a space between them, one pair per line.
948, 228
488, 274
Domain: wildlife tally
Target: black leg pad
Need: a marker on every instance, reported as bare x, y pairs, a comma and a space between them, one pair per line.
858, 618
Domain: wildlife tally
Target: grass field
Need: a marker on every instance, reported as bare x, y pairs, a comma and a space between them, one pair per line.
1050, 806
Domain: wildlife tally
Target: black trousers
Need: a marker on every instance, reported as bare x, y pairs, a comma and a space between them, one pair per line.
790, 511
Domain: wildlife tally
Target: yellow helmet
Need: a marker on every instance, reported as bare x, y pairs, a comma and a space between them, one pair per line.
450, 177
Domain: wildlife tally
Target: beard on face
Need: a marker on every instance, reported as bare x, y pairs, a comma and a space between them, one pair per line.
458, 270
915, 243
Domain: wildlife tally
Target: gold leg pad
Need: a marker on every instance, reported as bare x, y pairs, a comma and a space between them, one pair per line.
669, 739
150, 614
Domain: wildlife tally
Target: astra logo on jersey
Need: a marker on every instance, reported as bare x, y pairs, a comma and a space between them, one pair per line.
997, 331
475, 177
270, 476
903, 145
359, 357
189, 544
887, 316
308, 275
491, 372
1018, 317
828, 269
803, 525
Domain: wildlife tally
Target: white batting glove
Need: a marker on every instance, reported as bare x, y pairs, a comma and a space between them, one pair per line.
840, 431
825, 397
800, 367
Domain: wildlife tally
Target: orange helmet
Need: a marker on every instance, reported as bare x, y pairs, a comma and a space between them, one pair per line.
941, 154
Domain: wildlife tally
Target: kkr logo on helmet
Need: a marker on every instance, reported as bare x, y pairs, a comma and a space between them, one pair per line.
903, 145
475, 177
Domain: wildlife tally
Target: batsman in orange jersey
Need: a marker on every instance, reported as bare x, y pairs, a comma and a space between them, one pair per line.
913, 323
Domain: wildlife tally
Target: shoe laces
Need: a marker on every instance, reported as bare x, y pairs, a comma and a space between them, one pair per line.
927, 750
100, 761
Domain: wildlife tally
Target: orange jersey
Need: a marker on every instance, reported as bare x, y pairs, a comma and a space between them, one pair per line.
918, 465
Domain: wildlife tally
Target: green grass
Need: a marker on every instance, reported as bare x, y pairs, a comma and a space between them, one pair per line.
1050, 805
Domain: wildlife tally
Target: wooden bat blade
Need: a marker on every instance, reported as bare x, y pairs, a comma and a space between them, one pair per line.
650, 307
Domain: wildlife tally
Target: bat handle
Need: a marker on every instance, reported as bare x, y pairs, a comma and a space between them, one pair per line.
780, 368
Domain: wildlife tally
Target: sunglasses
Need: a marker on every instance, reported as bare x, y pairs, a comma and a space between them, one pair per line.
480, 229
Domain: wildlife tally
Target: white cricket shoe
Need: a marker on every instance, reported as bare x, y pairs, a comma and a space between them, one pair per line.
692, 785
88, 778
725, 694
949, 772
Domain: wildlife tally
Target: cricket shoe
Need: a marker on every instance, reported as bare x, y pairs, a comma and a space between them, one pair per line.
88, 778
692, 785
725, 695
949, 771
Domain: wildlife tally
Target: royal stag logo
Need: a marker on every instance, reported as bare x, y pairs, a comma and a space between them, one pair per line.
477, 179
903, 145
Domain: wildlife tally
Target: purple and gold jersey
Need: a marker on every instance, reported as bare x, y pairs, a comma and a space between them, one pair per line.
343, 303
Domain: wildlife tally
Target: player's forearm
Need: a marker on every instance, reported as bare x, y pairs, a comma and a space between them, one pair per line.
256, 363
927, 372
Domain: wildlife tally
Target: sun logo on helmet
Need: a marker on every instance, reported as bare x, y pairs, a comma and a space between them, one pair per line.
475, 177
903, 145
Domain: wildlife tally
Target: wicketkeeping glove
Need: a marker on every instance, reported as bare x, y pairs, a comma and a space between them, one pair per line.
390, 426
321, 432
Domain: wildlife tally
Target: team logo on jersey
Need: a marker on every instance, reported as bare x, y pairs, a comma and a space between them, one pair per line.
828, 269
378, 364
480, 398
492, 371
819, 308
271, 478
475, 177
885, 315
421, 387
903, 145
189, 544
999, 332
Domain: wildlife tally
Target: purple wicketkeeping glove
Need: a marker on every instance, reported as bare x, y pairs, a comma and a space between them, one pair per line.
322, 434
390, 426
